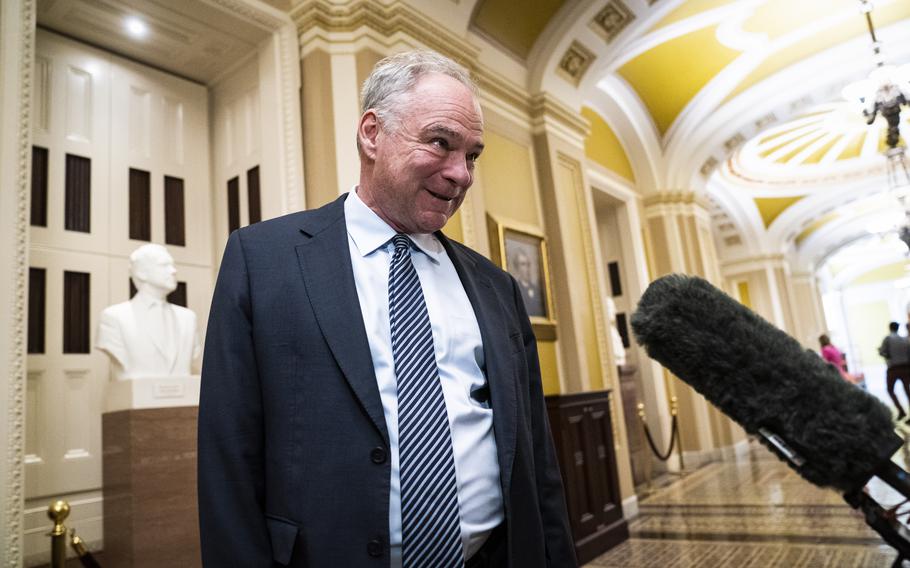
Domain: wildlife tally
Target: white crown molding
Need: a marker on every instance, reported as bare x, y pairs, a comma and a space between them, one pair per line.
332, 27
331, 22
253, 11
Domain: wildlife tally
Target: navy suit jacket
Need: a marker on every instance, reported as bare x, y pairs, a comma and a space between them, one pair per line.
293, 445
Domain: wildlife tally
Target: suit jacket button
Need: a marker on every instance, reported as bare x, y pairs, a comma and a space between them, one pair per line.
378, 455
374, 547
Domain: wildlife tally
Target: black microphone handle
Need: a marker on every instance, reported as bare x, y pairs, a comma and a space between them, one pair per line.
896, 477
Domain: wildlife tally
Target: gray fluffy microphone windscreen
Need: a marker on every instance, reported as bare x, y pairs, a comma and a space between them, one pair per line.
763, 379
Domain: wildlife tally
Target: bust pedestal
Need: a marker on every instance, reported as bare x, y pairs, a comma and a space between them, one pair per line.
149, 468
152, 392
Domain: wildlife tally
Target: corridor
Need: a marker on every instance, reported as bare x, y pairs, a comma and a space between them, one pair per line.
752, 512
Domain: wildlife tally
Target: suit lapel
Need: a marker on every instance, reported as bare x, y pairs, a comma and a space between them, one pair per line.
497, 354
325, 263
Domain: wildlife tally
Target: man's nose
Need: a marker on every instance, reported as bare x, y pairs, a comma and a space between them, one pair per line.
459, 170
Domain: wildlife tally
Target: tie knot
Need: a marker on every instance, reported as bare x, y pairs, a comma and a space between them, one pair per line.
402, 243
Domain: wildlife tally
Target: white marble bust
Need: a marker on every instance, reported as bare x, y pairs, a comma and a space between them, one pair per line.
147, 337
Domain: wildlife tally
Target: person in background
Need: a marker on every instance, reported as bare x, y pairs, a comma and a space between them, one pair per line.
833, 355
896, 351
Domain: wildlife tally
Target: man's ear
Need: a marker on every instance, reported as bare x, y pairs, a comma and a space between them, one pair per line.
368, 133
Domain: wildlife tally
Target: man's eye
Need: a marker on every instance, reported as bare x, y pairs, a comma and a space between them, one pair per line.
473, 157
440, 142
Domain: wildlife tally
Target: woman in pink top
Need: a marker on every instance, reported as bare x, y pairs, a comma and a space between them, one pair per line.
832, 355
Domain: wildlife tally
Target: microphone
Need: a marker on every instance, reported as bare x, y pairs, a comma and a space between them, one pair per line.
831, 432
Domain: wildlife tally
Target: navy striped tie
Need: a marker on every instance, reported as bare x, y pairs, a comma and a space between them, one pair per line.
430, 528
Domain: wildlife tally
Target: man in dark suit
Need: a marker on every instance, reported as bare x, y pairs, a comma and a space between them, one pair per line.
371, 393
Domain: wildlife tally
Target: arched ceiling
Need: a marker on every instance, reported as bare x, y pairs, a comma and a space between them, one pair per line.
739, 98
497, 20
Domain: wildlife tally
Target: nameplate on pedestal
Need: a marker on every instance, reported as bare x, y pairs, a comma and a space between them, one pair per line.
152, 392
168, 391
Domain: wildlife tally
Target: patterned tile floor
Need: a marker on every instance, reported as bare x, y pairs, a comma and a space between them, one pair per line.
754, 512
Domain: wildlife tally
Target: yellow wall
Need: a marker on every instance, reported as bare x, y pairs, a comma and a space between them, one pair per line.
506, 169
603, 146
318, 130
366, 59
868, 325
744, 297
453, 228
549, 370
568, 185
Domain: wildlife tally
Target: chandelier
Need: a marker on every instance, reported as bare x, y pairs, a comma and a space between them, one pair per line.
884, 92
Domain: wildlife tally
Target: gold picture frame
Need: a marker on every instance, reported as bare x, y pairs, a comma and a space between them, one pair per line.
522, 252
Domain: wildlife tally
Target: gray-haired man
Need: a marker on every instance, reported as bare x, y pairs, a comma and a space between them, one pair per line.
371, 391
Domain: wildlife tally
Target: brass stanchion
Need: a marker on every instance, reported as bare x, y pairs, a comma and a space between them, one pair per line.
649, 487
58, 512
85, 557
674, 408
674, 440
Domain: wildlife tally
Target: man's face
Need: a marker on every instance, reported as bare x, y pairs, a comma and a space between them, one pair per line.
522, 266
157, 269
424, 164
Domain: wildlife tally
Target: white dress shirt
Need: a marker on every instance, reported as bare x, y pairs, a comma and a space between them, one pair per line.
459, 358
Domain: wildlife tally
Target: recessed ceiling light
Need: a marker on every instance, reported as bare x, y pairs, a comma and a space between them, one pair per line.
136, 27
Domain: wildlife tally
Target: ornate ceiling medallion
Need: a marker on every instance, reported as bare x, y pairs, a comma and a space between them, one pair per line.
575, 63
612, 20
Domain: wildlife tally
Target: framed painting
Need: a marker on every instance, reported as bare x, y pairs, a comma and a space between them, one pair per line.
522, 252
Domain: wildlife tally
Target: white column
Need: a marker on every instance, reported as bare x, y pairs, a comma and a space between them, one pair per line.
279, 83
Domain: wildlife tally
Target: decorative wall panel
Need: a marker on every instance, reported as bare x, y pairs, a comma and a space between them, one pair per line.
140, 131
174, 214
76, 431
173, 130
39, 187
253, 196
79, 113
178, 296
41, 92
76, 315
78, 199
233, 194
140, 205
37, 306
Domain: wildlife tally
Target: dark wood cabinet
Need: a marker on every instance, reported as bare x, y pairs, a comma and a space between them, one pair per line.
583, 434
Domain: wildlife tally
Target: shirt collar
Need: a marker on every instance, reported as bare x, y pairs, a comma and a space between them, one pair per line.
369, 232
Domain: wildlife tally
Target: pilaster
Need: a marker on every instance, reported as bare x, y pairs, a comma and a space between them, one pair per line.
576, 259
17, 44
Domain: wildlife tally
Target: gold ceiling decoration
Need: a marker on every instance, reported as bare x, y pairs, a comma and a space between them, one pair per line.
575, 62
709, 166
829, 143
612, 20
